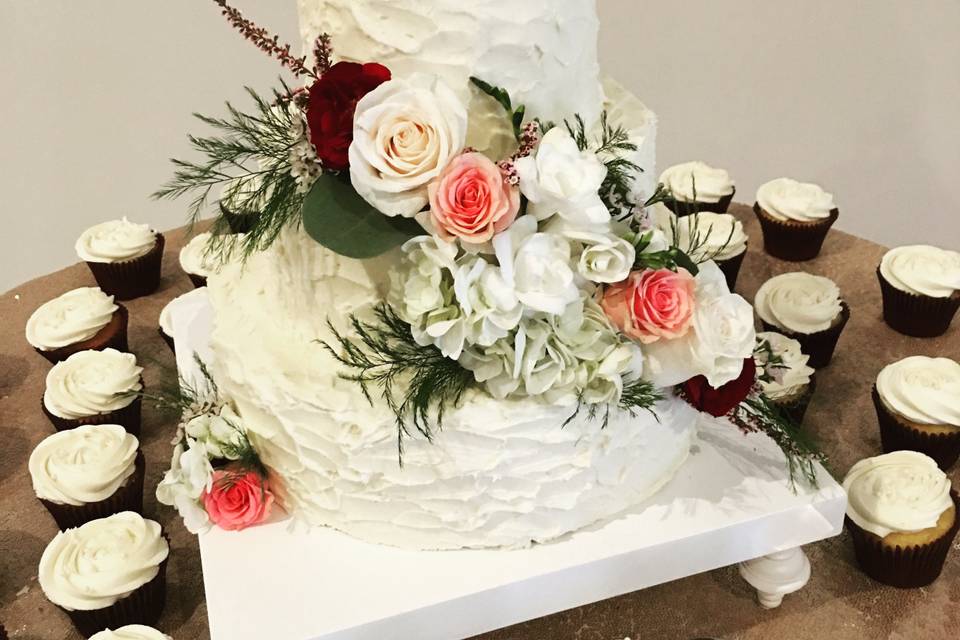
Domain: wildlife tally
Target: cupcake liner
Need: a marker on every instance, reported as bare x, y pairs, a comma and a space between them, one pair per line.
3, 633
239, 222
944, 448
129, 497
111, 336
128, 417
917, 315
796, 409
198, 281
731, 268
819, 346
683, 209
131, 278
905, 568
793, 241
167, 339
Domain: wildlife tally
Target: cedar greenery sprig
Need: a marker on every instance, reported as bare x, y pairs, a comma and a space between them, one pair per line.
180, 396
262, 39
672, 258
612, 146
697, 239
638, 395
768, 361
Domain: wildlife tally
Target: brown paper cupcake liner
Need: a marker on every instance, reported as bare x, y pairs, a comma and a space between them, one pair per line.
731, 269
129, 417
168, 340
916, 315
129, 497
239, 222
111, 336
3, 633
905, 568
796, 409
198, 281
683, 209
793, 241
819, 346
944, 448
131, 278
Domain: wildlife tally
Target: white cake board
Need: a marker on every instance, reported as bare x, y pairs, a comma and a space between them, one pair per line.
730, 502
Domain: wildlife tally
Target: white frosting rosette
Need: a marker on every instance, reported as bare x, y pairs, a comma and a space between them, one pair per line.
83, 465
95, 565
923, 390
115, 241
922, 270
791, 373
711, 184
196, 259
787, 199
71, 318
799, 302
903, 491
710, 236
89, 383
130, 632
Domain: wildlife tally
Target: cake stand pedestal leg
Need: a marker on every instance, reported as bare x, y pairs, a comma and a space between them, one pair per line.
776, 575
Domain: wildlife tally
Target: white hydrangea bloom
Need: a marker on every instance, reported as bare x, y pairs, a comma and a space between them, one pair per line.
488, 302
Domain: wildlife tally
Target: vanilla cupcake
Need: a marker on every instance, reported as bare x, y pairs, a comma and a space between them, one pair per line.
165, 323
94, 387
902, 517
124, 257
806, 308
87, 473
918, 406
197, 261
921, 289
241, 204
784, 375
79, 320
714, 236
131, 632
696, 186
108, 573
795, 218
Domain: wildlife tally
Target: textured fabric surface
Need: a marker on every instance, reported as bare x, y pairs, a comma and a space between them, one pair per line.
839, 603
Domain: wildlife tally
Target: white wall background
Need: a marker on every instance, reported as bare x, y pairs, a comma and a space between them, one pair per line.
860, 96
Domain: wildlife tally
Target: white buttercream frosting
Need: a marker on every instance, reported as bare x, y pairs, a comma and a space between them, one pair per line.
898, 492
922, 270
83, 465
115, 241
166, 320
799, 302
195, 257
710, 236
89, 383
790, 373
923, 390
131, 632
710, 184
71, 318
95, 565
787, 199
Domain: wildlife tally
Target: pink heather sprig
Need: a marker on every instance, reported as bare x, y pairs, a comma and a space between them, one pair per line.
322, 55
263, 41
529, 139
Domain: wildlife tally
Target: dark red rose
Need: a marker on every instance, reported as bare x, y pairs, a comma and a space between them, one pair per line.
720, 402
333, 101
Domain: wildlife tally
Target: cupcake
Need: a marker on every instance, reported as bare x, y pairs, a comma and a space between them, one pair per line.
79, 320
785, 378
131, 632
190, 301
696, 186
921, 289
124, 257
806, 308
90, 472
94, 387
165, 322
714, 236
196, 259
107, 573
902, 517
241, 203
795, 218
918, 406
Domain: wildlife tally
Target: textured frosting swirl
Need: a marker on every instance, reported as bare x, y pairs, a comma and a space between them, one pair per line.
131, 632
194, 257
799, 302
922, 270
787, 199
713, 236
83, 465
711, 184
791, 373
923, 390
115, 241
71, 318
898, 492
89, 383
97, 564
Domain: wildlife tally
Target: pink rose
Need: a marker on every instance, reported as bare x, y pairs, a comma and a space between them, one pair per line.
471, 200
237, 499
650, 305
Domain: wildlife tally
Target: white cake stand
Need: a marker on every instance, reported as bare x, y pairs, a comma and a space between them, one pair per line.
730, 503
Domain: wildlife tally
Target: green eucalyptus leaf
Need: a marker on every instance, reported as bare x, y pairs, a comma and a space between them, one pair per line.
683, 260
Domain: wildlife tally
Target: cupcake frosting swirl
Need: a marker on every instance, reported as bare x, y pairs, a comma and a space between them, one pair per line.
115, 241
71, 318
130, 632
83, 465
789, 374
89, 383
196, 259
799, 302
712, 184
923, 390
922, 270
787, 199
898, 492
711, 236
97, 564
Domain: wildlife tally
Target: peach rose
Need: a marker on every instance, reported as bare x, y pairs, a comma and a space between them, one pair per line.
650, 305
237, 500
471, 200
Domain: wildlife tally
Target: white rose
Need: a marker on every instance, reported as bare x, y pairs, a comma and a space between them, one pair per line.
489, 303
605, 258
405, 133
561, 179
